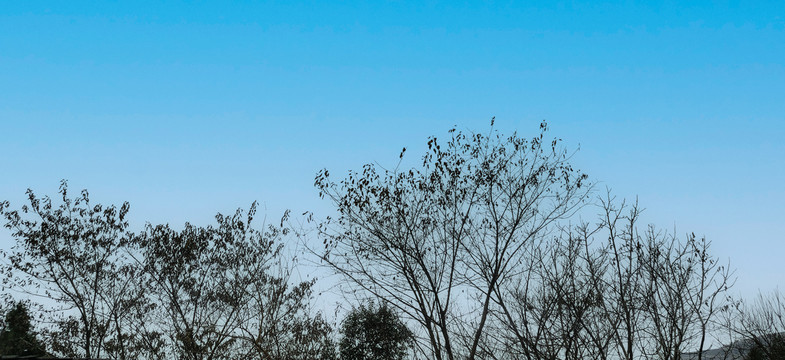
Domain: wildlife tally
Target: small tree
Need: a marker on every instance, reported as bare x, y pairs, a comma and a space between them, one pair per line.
17, 337
374, 332
762, 327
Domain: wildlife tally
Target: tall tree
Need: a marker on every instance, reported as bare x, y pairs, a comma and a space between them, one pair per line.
624, 285
75, 254
458, 224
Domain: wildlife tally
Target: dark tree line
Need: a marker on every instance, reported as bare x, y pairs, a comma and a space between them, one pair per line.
480, 249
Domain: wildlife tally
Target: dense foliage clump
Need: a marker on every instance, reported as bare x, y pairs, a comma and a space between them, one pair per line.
18, 336
374, 332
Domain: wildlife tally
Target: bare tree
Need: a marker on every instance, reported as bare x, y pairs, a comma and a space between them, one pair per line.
439, 240
667, 271
557, 309
761, 327
665, 293
708, 295
276, 319
624, 279
641, 294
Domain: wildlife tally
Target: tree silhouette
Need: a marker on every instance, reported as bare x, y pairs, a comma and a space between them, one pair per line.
74, 253
226, 291
17, 337
374, 332
437, 241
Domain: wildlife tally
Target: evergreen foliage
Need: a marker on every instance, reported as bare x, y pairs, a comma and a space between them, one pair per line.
17, 337
374, 332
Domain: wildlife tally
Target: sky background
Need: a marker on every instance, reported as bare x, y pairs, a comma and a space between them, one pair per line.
186, 109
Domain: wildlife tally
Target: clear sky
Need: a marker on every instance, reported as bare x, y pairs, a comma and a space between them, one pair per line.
189, 108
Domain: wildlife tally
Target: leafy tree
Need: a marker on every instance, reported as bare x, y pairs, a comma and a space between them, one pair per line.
77, 255
214, 292
374, 332
226, 292
199, 277
17, 337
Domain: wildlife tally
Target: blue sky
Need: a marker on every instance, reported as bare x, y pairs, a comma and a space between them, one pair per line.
189, 108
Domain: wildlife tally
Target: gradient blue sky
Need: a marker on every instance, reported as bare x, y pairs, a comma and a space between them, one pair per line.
189, 108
